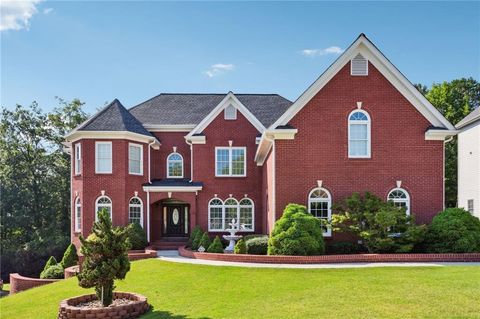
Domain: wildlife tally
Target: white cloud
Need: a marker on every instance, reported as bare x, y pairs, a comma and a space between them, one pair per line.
318, 52
47, 10
16, 14
218, 69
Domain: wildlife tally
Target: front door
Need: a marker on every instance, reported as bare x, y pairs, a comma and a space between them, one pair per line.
175, 221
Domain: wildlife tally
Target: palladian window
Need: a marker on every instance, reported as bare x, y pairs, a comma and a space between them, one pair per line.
220, 214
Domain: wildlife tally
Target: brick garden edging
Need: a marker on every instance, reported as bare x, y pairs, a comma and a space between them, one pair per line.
68, 309
141, 254
332, 259
20, 283
71, 271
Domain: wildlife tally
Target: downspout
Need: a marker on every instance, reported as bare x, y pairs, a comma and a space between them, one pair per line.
191, 159
444, 143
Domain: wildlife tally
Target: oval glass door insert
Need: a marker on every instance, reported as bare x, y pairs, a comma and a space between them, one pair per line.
175, 216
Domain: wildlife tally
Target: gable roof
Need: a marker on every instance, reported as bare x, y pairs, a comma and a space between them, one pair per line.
114, 117
364, 46
469, 119
185, 108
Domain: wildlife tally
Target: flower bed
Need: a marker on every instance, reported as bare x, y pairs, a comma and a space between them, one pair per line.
332, 259
20, 283
139, 306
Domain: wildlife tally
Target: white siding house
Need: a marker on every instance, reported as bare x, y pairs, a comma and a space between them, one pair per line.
469, 162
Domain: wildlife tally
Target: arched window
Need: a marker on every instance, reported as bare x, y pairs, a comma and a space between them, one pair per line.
78, 215
101, 203
359, 134
400, 198
320, 206
135, 211
215, 215
247, 213
231, 211
174, 166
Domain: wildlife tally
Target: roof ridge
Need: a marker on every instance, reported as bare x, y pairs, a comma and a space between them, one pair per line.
94, 116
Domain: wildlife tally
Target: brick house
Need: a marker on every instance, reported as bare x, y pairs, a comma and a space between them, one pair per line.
180, 160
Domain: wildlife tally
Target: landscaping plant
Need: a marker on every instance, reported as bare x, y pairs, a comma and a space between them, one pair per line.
70, 257
382, 227
257, 245
50, 262
453, 231
105, 258
196, 230
196, 240
296, 233
205, 241
137, 236
53, 272
216, 246
240, 247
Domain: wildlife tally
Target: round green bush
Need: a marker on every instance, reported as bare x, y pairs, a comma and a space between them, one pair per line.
257, 245
196, 230
453, 231
137, 236
70, 257
240, 247
216, 246
296, 233
205, 241
53, 272
50, 262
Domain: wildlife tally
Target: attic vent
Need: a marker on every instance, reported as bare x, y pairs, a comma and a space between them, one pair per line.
359, 65
230, 112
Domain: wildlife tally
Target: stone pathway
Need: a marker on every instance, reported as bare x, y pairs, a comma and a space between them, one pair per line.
173, 256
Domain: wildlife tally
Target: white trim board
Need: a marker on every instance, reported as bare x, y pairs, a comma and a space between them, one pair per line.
364, 46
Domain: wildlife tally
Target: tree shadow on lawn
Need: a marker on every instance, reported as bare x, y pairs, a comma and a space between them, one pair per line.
159, 314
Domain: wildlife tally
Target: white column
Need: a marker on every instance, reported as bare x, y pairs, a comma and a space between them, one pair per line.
148, 216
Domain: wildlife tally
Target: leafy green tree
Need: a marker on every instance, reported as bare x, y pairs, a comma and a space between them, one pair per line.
382, 227
106, 258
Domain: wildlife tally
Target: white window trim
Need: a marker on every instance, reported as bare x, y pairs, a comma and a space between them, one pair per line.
168, 161
398, 200
141, 158
234, 114
369, 137
103, 205
136, 205
230, 149
351, 65
96, 157
78, 159
328, 200
226, 222
78, 225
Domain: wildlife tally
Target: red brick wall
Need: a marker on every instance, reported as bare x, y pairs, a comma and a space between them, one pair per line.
218, 133
20, 283
159, 157
399, 150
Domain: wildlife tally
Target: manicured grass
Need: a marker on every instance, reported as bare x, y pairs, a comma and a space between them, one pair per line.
183, 291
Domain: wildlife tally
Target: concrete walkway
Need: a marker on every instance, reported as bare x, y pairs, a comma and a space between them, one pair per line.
173, 256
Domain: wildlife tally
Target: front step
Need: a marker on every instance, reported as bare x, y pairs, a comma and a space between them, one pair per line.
169, 243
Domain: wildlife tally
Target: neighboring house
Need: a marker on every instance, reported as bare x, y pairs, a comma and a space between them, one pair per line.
469, 162
180, 160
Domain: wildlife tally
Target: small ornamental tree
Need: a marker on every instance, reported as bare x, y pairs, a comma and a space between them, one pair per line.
196, 230
105, 258
382, 227
240, 247
196, 240
205, 241
70, 257
216, 246
50, 262
137, 236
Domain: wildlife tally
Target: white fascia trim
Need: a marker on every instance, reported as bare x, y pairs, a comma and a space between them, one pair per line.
439, 135
266, 141
191, 189
368, 50
230, 98
200, 139
169, 127
113, 135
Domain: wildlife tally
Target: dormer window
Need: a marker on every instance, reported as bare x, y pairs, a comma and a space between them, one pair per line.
230, 112
359, 66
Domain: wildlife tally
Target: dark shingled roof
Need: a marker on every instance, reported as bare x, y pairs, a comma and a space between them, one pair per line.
114, 117
173, 182
469, 119
170, 108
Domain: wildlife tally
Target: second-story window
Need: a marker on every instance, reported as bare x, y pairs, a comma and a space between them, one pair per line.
359, 134
103, 157
78, 159
174, 166
135, 159
230, 161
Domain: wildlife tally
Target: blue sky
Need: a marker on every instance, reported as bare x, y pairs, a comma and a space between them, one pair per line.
98, 51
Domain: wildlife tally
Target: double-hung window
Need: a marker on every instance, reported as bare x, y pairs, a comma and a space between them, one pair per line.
359, 134
78, 159
103, 157
230, 161
135, 159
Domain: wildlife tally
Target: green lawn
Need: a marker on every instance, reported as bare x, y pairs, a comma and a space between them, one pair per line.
183, 291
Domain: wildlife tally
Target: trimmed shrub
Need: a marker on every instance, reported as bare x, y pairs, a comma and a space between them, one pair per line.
70, 257
196, 240
53, 272
342, 248
197, 229
296, 233
453, 231
240, 247
257, 245
137, 236
205, 241
216, 246
248, 237
50, 262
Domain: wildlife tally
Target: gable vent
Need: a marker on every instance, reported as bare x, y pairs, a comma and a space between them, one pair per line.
359, 65
230, 112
